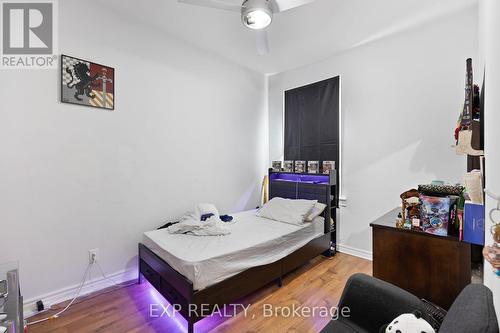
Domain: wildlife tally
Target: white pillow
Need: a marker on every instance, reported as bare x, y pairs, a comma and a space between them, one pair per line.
316, 211
287, 210
205, 208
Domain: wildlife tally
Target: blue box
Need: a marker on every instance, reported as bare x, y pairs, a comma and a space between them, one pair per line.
473, 229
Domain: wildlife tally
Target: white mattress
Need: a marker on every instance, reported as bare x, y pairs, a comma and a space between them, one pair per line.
254, 241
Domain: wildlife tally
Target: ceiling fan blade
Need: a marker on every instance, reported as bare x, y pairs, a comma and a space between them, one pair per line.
262, 42
218, 4
282, 5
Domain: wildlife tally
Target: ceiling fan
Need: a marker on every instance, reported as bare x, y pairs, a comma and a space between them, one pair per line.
255, 14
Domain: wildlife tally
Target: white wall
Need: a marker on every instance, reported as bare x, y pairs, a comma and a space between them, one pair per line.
490, 49
188, 127
401, 96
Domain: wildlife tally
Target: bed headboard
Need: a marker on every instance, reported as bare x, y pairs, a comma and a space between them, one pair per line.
306, 186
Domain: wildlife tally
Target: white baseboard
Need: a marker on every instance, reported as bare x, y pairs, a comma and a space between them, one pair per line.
68, 293
355, 252
101, 283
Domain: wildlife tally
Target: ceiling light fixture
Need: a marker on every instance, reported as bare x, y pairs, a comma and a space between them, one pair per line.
256, 14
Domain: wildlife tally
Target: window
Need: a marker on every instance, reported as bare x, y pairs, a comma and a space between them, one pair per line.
312, 122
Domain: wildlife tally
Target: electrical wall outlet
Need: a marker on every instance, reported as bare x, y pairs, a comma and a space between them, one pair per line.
93, 254
40, 306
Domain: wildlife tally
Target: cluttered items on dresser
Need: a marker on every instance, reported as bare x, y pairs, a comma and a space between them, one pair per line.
442, 210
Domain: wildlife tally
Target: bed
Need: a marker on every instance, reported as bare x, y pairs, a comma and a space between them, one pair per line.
207, 272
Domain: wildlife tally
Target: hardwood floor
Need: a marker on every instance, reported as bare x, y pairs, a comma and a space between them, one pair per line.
318, 284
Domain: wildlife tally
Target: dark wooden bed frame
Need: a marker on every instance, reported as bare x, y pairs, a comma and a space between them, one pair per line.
178, 290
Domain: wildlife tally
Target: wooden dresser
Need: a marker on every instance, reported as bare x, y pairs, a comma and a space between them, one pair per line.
432, 267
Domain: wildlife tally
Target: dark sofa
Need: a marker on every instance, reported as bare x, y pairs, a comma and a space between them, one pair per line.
374, 303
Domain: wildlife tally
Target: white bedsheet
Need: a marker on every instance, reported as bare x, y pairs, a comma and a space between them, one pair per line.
254, 241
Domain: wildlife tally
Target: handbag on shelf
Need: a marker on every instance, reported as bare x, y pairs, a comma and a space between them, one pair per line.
464, 142
476, 136
474, 182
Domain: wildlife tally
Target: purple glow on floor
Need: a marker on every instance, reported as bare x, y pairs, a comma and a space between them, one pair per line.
177, 318
203, 325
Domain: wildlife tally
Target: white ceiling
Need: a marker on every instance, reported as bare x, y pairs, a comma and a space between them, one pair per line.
297, 37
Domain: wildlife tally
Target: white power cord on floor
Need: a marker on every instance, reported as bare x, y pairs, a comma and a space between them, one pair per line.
84, 279
88, 272
104, 275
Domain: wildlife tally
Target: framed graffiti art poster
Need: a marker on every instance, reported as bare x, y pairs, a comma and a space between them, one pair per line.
87, 83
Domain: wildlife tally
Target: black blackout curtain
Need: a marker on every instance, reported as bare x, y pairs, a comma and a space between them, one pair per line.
312, 122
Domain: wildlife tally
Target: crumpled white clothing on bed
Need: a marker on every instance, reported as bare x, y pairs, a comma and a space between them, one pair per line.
212, 226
